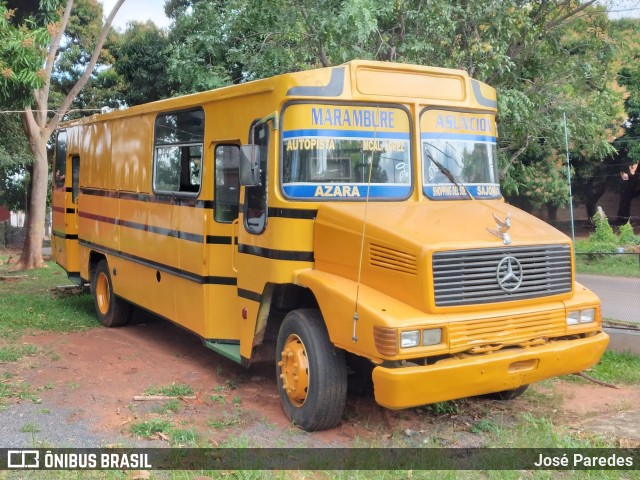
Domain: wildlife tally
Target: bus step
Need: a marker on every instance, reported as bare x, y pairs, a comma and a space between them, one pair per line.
230, 351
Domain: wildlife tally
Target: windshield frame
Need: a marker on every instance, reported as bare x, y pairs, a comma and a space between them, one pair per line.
410, 156
460, 190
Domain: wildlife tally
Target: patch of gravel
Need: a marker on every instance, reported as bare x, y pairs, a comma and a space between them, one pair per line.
31, 425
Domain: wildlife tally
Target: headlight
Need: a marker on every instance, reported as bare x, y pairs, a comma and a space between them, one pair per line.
410, 339
581, 316
432, 337
588, 316
573, 318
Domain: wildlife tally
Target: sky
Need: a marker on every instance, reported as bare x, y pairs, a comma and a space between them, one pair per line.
619, 8
140, 10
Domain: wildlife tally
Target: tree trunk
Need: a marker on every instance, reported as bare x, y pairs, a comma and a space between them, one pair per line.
32, 251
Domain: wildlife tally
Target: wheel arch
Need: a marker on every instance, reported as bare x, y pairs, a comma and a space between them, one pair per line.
276, 301
94, 260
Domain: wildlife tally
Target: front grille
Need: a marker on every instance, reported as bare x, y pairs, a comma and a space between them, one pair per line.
470, 277
507, 330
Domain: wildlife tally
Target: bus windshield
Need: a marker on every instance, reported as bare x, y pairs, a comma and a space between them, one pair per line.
459, 155
338, 152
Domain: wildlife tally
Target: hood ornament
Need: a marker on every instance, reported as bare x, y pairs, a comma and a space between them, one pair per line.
501, 228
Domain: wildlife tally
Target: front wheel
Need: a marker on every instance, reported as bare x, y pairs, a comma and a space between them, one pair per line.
311, 372
112, 311
507, 394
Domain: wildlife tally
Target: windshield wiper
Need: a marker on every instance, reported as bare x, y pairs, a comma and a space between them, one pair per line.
450, 176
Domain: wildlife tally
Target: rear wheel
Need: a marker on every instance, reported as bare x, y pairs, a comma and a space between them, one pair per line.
112, 311
311, 373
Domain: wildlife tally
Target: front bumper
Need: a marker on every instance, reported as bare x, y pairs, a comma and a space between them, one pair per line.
479, 374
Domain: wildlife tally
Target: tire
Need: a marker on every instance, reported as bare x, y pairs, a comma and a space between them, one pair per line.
313, 397
507, 394
112, 311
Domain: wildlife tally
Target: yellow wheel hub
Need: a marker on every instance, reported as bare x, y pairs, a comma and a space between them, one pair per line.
294, 370
103, 293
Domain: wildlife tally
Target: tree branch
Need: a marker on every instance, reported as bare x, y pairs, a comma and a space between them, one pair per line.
558, 21
84, 78
42, 95
322, 55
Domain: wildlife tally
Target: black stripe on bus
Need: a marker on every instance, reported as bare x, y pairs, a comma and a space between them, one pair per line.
273, 254
168, 232
178, 200
249, 295
194, 277
71, 210
66, 236
294, 213
218, 240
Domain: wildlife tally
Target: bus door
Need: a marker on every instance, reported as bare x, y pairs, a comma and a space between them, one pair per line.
251, 256
64, 232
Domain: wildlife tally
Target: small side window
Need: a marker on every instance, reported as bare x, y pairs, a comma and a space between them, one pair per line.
227, 189
75, 178
255, 206
178, 148
60, 170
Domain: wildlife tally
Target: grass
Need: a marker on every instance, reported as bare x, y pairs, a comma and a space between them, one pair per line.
172, 406
618, 368
165, 429
152, 427
173, 390
30, 304
13, 353
611, 265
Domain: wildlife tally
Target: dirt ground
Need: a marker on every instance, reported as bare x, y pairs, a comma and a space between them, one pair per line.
91, 378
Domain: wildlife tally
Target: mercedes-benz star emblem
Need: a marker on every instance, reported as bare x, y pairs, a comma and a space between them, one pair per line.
509, 274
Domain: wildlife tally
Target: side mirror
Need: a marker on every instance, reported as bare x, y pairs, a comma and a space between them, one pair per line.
249, 165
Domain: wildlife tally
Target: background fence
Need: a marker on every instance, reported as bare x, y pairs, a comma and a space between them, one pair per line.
11, 237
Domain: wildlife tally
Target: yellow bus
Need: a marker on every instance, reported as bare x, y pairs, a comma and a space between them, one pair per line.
338, 220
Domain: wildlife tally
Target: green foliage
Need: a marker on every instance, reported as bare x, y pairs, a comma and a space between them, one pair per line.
173, 390
590, 260
13, 353
627, 235
546, 59
627, 32
172, 406
23, 44
603, 232
30, 304
444, 408
618, 367
151, 427
182, 437
140, 55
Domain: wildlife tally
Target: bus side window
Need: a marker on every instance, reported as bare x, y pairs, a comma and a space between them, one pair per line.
61, 160
227, 183
75, 177
178, 147
255, 202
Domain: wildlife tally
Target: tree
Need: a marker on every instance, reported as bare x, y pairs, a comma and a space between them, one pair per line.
37, 121
546, 58
628, 144
15, 157
140, 58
